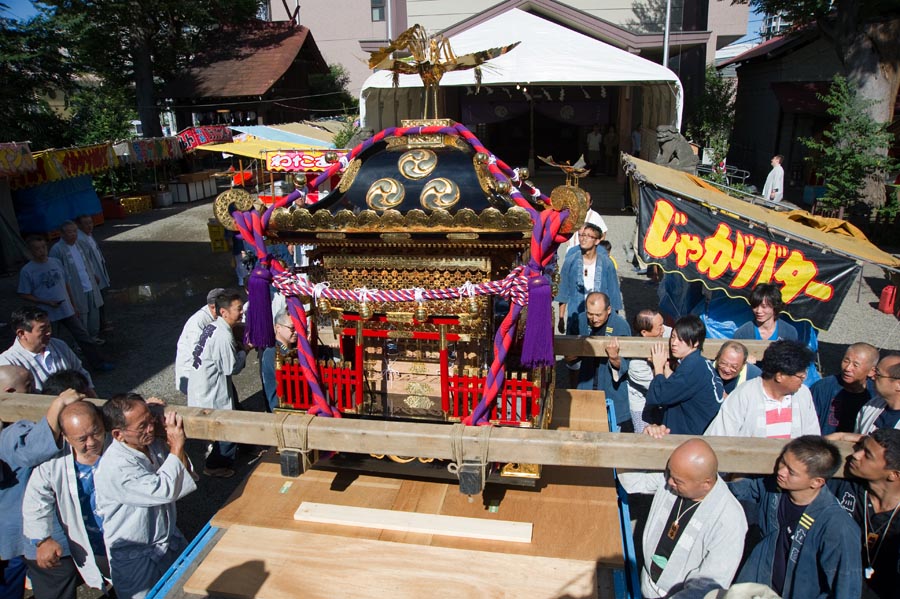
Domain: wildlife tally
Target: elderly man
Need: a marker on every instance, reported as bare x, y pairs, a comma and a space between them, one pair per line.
586, 269
285, 342
63, 487
187, 341
872, 497
810, 546
23, 446
776, 405
36, 350
42, 282
605, 374
137, 484
647, 323
216, 360
692, 393
732, 366
694, 534
81, 278
882, 411
86, 237
838, 399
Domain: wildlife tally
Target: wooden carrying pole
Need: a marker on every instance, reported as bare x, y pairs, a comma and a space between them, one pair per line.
505, 444
639, 347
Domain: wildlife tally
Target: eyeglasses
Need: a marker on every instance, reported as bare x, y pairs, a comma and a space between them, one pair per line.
142, 426
289, 327
799, 375
589, 236
878, 375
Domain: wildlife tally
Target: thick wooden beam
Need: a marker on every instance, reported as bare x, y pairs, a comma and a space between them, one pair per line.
519, 445
638, 347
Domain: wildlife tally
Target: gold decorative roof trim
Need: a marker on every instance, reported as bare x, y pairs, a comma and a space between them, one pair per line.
490, 220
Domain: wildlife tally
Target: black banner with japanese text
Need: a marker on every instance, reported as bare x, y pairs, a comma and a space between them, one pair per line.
727, 254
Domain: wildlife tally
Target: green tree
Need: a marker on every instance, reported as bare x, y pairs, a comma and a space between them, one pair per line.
330, 93
143, 43
101, 113
864, 35
847, 154
713, 117
33, 68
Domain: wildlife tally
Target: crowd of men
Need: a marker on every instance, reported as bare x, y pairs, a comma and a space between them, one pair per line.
96, 489
798, 533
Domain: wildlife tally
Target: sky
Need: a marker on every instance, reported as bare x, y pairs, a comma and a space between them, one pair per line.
20, 9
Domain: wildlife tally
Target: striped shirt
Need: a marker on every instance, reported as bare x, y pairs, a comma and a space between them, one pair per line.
779, 416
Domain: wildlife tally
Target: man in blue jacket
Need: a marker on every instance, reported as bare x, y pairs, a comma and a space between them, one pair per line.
692, 393
609, 374
587, 268
838, 398
810, 546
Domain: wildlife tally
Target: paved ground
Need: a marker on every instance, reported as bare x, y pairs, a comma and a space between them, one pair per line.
162, 267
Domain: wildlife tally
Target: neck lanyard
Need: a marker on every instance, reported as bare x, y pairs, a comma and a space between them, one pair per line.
875, 536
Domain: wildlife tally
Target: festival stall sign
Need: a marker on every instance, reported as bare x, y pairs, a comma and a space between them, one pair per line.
193, 137
688, 227
302, 161
148, 151
15, 159
55, 165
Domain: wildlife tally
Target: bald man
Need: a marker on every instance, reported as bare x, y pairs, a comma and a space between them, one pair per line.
694, 534
64, 486
16, 379
23, 446
883, 411
839, 397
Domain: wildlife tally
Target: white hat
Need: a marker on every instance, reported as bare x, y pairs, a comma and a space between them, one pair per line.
595, 219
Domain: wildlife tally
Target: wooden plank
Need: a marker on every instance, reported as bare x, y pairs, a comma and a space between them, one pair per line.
427, 440
566, 499
639, 347
276, 564
453, 526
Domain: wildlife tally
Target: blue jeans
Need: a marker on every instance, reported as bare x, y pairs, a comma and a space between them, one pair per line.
12, 583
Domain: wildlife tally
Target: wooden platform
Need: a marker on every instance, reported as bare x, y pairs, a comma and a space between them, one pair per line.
573, 513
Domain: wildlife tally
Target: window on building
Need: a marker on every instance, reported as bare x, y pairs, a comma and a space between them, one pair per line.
377, 10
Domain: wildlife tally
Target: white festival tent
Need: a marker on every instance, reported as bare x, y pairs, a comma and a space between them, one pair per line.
549, 54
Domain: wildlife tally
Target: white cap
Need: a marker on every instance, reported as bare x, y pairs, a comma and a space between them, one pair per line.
595, 219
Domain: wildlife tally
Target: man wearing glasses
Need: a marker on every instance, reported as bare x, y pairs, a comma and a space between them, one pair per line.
884, 410
776, 405
587, 269
285, 341
137, 484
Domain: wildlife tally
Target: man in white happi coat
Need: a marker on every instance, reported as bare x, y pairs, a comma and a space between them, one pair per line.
37, 351
215, 360
187, 341
773, 190
98, 262
80, 276
694, 535
63, 487
137, 484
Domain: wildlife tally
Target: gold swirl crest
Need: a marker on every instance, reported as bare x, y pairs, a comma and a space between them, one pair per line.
417, 164
385, 194
439, 194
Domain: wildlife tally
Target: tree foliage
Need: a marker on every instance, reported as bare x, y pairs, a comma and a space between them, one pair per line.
330, 93
143, 43
847, 153
101, 113
713, 116
650, 16
33, 68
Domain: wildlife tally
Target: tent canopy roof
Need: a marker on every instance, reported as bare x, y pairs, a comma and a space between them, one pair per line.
255, 148
283, 134
548, 54
799, 224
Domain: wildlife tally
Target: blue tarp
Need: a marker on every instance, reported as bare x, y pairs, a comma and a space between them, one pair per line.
43, 208
272, 134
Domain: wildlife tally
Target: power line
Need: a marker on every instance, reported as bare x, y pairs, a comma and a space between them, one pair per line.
260, 101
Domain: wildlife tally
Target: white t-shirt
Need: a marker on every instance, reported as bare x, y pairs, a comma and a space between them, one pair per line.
78, 261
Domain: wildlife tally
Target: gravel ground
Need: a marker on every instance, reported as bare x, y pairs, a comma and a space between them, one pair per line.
162, 267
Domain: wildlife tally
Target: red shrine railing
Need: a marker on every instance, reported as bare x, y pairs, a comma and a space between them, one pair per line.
517, 405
